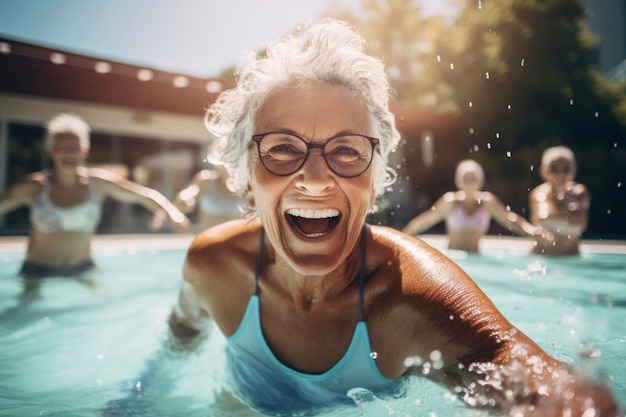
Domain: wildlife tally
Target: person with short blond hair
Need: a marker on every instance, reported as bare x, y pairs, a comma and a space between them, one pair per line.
469, 210
560, 204
65, 202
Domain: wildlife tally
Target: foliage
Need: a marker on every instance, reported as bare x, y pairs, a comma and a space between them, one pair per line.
399, 34
523, 75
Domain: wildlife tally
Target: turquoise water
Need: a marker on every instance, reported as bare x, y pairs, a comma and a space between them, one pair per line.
96, 349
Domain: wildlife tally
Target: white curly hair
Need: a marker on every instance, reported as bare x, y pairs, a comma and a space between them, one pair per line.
330, 51
68, 123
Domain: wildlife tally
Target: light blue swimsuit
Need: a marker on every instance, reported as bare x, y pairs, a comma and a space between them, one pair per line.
270, 386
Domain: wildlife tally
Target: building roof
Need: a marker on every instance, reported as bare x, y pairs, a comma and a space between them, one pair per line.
46, 72
40, 71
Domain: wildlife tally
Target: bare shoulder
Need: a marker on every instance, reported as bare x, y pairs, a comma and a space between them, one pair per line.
542, 188
223, 252
408, 257
427, 296
449, 197
489, 199
30, 185
39, 178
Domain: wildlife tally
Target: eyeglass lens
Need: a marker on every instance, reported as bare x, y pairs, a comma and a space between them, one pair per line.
346, 155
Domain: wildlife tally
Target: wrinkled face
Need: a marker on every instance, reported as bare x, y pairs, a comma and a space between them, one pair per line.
66, 150
558, 172
312, 217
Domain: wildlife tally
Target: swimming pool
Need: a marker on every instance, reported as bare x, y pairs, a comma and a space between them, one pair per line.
72, 349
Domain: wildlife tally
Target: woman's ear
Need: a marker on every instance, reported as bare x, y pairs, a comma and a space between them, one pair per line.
249, 197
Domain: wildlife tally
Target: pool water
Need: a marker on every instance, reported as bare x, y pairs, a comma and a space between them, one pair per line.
96, 348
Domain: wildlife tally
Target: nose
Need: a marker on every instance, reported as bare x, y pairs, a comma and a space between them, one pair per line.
315, 176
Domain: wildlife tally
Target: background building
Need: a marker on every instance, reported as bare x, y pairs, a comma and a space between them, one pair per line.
146, 124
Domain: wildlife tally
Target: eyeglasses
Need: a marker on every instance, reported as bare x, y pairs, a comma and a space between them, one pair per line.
347, 155
556, 169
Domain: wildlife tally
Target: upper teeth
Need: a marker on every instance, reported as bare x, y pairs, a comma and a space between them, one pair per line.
313, 214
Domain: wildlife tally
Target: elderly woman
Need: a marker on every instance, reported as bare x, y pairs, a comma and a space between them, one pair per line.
313, 301
469, 210
560, 204
65, 202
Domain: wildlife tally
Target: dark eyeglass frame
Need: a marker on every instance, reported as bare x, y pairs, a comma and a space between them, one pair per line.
314, 145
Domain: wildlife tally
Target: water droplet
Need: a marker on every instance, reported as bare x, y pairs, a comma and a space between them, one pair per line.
471, 130
373, 355
497, 135
508, 154
487, 75
475, 148
451, 66
597, 114
480, 4
508, 107
608, 211
508, 208
532, 167
470, 104
571, 101
488, 145
521, 64
438, 58
619, 184
451, 317
435, 355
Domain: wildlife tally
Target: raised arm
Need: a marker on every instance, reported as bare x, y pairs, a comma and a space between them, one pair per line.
187, 198
21, 194
188, 319
119, 188
513, 221
464, 343
437, 213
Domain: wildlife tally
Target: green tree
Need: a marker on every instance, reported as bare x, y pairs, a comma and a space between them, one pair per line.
398, 33
522, 73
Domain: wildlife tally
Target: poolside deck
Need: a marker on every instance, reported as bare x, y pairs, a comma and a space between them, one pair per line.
178, 241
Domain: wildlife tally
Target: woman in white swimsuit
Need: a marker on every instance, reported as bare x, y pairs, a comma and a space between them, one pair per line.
468, 212
65, 202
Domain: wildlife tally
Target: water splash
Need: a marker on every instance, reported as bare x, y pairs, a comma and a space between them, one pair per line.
370, 405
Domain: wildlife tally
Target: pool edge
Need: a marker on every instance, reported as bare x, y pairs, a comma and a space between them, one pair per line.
181, 241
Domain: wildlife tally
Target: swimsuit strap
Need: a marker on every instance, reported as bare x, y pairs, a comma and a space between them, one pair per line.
259, 261
361, 274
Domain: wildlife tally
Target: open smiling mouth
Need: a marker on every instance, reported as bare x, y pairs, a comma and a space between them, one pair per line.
313, 223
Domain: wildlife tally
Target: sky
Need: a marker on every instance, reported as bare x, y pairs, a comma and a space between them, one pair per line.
191, 37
